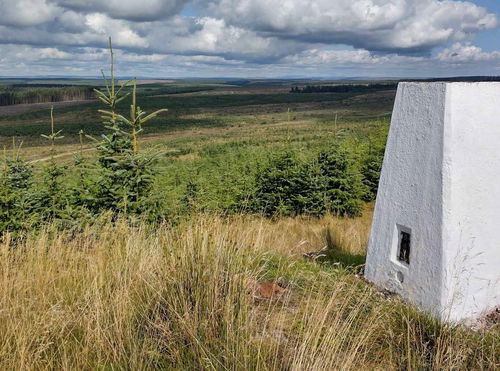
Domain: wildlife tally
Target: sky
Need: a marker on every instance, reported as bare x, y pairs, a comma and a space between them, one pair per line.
251, 38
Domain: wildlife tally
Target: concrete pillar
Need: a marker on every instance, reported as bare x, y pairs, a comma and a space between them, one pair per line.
436, 231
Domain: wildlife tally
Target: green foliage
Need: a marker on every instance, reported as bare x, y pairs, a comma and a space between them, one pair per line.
342, 182
17, 173
51, 197
328, 183
279, 190
124, 180
25, 203
287, 173
16, 183
25, 94
372, 161
190, 197
125, 176
52, 200
120, 181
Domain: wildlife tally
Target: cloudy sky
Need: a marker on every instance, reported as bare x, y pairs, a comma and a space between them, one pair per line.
251, 38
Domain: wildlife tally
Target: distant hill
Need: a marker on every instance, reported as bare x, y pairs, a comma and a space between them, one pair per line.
458, 79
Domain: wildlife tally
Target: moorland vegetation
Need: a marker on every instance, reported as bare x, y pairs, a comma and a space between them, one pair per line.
141, 242
343, 88
332, 178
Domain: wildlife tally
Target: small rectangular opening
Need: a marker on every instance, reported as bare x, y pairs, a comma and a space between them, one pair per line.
404, 247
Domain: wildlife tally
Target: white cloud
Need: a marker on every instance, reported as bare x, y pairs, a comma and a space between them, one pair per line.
371, 24
50, 53
24, 60
343, 57
246, 36
465, 53
21, 13
134, 10
29, 54
209, 60
121, 32
211, 36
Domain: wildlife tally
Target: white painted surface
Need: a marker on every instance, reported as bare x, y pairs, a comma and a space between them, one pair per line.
441, 181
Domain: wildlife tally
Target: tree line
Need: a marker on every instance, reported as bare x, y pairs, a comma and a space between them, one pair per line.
26, 95
345, 88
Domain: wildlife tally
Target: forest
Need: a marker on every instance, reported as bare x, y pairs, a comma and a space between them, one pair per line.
28, 94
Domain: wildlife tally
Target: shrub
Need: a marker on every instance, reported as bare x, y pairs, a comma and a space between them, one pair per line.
16, 182
125, 179
277, 189
372, 162
342, 182
52, 197
330, 182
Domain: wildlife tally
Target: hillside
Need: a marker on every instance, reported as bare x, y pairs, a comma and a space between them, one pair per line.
230, 256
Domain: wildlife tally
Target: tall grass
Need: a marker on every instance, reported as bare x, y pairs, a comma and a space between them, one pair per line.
115, 296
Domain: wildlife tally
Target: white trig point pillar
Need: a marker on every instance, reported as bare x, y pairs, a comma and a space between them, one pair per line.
435, 236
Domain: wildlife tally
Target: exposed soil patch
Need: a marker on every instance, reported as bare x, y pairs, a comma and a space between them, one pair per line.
268, 291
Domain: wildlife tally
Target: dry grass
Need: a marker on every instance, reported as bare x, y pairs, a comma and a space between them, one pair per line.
122, 297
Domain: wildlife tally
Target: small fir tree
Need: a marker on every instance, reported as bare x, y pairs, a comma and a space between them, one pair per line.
16, 182
125, 174
52, 199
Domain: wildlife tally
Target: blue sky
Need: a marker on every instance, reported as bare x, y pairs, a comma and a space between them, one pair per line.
251, 38
489, 40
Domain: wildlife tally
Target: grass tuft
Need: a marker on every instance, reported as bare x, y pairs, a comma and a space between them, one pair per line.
115, 296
